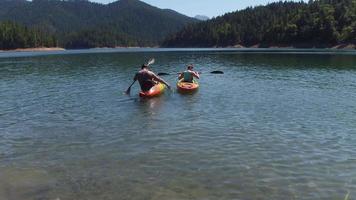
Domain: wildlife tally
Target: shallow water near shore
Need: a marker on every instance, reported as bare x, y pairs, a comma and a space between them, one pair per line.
276, 125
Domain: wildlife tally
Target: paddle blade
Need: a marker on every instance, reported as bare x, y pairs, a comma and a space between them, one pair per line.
217, 72
163, 74
151, 61
128, 91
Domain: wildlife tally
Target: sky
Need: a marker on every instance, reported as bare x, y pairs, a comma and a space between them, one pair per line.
210, 8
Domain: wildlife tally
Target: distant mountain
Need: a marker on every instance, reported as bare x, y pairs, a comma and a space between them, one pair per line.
201, 17
81, 24
320, 23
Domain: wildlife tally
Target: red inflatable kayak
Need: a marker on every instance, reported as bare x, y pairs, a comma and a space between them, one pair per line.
186, 87
156, 90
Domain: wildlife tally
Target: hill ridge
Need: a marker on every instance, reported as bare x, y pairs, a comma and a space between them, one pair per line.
124, 22
322, 23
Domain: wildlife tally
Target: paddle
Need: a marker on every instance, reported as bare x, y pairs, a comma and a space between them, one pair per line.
129, 89
217, 72
166, 74
150, 62
163, 74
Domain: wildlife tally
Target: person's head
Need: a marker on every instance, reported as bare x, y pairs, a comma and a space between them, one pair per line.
190, 67
144, 66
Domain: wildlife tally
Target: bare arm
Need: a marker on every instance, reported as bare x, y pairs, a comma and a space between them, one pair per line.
196, 75
180, 76
157, 78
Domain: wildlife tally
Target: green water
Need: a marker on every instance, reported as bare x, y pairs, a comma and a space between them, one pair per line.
276, 125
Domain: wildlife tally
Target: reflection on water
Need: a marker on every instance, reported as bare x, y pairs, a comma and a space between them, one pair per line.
151, 106
276, 125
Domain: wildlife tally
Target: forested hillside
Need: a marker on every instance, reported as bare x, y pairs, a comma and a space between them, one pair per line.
13, 36
321, 23
84, 24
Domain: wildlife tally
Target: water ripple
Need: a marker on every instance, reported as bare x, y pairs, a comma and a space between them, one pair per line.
274, 126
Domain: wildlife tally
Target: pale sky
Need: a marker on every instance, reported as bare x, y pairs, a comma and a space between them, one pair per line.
210, 8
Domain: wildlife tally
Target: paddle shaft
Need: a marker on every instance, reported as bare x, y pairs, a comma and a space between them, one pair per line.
212, 72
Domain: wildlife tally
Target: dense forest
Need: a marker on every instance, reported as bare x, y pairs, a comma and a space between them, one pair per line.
320, 23
84, 24
13, 35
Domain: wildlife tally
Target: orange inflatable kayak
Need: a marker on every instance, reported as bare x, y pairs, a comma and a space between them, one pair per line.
186, 87
156, 90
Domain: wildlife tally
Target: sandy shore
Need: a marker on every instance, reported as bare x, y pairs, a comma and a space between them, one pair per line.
339, 46
122, 47
35, 49
345, 46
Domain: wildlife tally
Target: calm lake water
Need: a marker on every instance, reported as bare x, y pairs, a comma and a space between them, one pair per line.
277, 125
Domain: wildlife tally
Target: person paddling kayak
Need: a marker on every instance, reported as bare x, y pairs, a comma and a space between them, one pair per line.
188, 75
147, 79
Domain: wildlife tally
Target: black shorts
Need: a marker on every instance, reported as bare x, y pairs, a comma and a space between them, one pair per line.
147, 85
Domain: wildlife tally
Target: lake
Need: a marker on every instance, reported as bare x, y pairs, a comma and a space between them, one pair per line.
278, 124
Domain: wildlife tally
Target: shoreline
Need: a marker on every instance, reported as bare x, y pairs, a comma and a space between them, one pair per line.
348, 46
39, 49
257, 46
